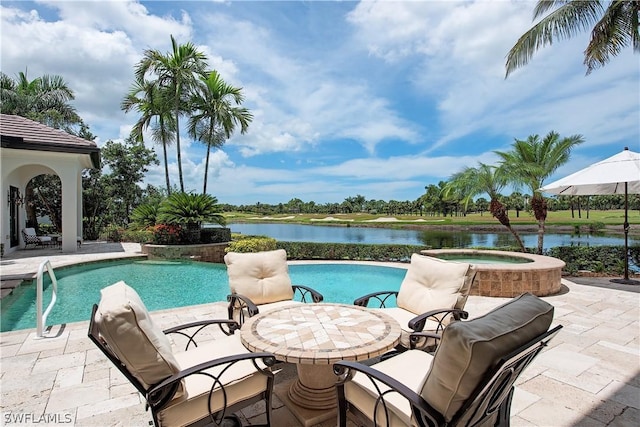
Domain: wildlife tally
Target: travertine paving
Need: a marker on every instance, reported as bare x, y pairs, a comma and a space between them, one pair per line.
589, 376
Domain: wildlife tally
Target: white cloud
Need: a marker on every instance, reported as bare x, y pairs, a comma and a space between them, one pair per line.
298, 103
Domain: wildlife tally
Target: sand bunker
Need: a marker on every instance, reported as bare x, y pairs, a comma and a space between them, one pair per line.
393, 219
329, 218
269, 217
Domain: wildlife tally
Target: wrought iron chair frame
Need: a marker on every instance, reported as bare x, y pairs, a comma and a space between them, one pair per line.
159, 395
247, 308
493, 394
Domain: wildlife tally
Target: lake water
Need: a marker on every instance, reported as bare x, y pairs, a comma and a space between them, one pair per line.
435, 239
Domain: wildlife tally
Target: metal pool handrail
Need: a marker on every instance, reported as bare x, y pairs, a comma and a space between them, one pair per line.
41, 319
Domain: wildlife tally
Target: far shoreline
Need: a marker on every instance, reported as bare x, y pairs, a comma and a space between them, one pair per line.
634, 229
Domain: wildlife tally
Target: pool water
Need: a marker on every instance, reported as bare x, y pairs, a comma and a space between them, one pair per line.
170, 284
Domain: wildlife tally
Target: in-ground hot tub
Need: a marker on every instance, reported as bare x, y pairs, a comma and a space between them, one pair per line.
507, 274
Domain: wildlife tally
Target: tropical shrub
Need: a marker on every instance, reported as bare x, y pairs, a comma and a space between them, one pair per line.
137, 236
167, 234
145, 215
242, 243
190, 210
215, 235
112, 233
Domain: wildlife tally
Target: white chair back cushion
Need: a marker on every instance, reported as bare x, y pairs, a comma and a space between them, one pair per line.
263, 277
432, 283
469, 349
30, 231
124, 323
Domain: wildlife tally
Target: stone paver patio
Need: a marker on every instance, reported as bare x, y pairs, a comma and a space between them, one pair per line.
589, 376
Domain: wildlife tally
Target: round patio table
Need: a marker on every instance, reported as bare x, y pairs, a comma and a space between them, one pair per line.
314, 337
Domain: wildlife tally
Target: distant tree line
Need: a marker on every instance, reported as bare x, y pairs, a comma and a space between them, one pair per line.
432, 204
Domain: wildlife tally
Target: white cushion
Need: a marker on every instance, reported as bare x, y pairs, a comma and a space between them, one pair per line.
241, 382
263, 277
125, 325
408, 368
432, 283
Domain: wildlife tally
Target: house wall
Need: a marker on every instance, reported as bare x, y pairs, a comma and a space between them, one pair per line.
20, 166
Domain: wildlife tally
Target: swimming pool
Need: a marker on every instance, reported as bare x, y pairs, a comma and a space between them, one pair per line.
171, 284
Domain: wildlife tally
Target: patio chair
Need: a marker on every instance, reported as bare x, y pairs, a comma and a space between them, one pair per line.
431, 295
260, 281
30, 238
205, 384
468, 382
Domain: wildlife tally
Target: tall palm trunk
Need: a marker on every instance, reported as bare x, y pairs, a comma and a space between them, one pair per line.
166, 159
206, 164
166, 168
206, 170
178, 143
500, 213
539, 207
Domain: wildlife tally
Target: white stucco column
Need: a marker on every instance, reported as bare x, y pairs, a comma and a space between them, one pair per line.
69, 178
79, 206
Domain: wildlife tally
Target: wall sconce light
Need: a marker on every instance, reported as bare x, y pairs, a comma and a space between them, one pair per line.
17, 199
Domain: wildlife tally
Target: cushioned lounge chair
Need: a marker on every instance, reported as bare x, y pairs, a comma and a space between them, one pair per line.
468, 382
260, 281
431, 295
30, 238
203, 385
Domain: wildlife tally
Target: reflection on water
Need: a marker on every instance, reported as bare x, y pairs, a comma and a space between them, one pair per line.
433, 238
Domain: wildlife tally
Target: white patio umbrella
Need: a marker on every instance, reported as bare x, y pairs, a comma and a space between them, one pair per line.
619, 174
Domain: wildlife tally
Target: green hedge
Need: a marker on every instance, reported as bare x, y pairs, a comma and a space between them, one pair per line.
349, 251
598, 259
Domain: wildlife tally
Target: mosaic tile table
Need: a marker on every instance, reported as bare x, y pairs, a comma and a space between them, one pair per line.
314, 336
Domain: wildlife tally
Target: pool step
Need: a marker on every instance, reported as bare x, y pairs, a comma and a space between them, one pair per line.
7, 286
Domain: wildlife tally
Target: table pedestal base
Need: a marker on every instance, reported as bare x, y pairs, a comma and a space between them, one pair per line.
306, 417
311, 397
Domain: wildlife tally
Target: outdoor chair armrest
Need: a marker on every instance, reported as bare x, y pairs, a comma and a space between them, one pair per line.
345, 371
305, 292
418, 322
228, 327
161, 394
381, 297
240, 301
416, 337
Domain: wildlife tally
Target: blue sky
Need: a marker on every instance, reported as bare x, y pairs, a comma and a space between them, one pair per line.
374, 98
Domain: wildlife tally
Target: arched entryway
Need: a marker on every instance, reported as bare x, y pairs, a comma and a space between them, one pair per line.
30, 149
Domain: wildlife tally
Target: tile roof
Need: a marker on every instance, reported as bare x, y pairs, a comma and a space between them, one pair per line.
36, 133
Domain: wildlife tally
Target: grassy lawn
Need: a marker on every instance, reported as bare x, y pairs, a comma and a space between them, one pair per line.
610, 217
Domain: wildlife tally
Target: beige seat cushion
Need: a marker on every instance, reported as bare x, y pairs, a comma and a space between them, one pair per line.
124, 323
241, 382
403, 317
262, 276
469, 349
432, 283
408, 368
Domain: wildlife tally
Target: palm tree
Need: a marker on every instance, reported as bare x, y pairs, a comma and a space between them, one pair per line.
216, 114
44, 99
533, 160
614, 28
175, 71
155, 107
491, 180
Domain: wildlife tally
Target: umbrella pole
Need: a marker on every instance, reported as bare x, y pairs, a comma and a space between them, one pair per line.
626, 280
